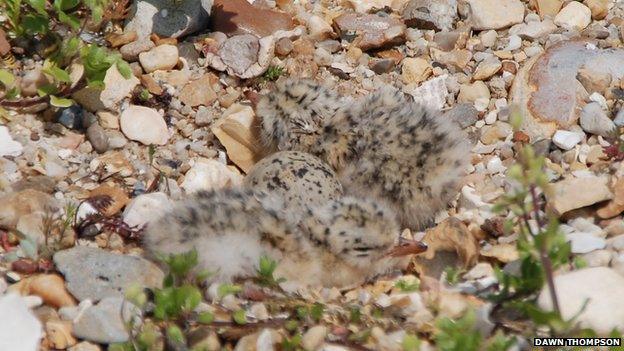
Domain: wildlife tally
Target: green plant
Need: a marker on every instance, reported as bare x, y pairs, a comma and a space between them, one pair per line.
405, 286
273, 73
453, 274
265, 271
458, 335
410, 343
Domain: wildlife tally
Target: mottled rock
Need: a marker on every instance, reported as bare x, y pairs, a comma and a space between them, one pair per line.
464, 114
144, 124
92, 273
487, 68
564, 195
98, 138
473, 92
431, 93
234, 17
591, 296
494, 14
534, 30
594, 80
430, 14
168, 19
245, 55
370, 31
163, 57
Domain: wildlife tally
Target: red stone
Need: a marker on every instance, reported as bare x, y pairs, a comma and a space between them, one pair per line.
234, 17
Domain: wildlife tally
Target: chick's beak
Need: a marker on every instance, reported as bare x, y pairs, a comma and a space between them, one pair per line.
408, 247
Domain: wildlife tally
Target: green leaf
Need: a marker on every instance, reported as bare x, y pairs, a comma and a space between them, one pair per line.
70, 20
124, 69
64, 5
58, 73
227, 289
205, 318
12, 93
6, 78
47, 89
240, 317
60, 102
410, 343
39, 6
174, 334
35, 24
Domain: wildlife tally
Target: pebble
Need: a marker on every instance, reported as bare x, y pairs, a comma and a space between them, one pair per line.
495, 14
472, 92
98, 138
146, 207
566, 140
583, 243
284, 46
595, 121
8, 146
415, 70
108, 120
598, 290
163, 57
534, 30
71, 117
564, 195
319, 28
21, 331
574, 16
599, 8
430, 14
116, 88
208, 174
19, 204
465, 114
144, 124
244, 56
84, 346
372, 31
314, 337
234, 17
597, 258
59, 334
487, 68
49, 287
92, 273
168, 19
130, 52
105, 323
198, 92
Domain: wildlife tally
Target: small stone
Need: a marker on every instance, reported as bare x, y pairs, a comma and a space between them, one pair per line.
284, 46
597, 258
8, 146
430, 14
237, 131
381, 66
548, 7
457, 58
105, 323
472, 92
366, 6
204, 116
59, 334
144, 124
116, 88
591, 296
314, 337
494, 14
84, 346
599, 8
89, 98
119, 39
488, 38
98, 138
144, 208
235, 17
415, 70
71, 117
595, 121
566, 140
465, 114
264, 340
50, 287
487, 68
108, 120
319, 29
593, 80
372, 31
130, 52
534, 30
583, 243
117, 195
198, 92
163, 57
93, 273
20, 329
168, 19
575, 16
210, 175
564, 195
244, 56
431, 93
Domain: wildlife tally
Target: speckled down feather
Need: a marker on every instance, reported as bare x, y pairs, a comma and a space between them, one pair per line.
383, 145
343, 243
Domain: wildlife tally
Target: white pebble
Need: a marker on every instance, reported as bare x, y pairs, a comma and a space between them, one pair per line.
566, 140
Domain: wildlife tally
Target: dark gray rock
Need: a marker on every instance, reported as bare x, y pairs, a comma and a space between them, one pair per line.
98, 138
169, 18
464, 114
105, 323
430, 14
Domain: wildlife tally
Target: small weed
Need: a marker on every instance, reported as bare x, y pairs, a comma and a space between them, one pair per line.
406, 286
265, 271
273, 73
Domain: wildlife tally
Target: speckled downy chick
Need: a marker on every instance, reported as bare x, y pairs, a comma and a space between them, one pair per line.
343, 243
301, 180
383, 145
